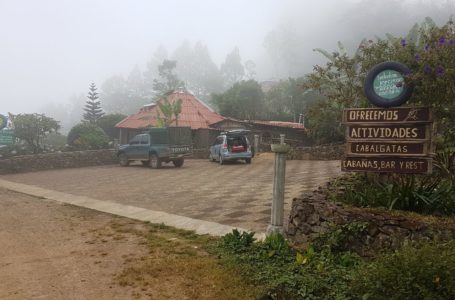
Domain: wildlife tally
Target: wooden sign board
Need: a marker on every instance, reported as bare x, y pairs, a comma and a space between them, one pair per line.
388, 148
387, 115
387, 165
388, 132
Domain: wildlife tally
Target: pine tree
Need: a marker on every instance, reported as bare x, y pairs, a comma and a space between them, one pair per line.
93, 110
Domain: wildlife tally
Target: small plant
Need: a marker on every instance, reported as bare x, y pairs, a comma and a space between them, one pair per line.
237, 241
431, 194
339, 238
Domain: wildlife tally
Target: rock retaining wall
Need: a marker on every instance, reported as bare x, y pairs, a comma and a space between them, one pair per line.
38, 162
313, 214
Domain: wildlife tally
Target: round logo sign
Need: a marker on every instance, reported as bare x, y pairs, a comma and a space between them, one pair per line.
3, 121
388, 84
385, 84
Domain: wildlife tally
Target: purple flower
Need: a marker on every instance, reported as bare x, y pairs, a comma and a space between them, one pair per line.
417, 57
442, 40
427, 68
451, 42
427, 47
439, 71
403, 42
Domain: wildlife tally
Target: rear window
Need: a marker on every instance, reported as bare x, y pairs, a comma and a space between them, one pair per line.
237, 140
159, 137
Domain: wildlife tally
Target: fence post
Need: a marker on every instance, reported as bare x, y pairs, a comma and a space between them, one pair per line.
279, 174
256, 144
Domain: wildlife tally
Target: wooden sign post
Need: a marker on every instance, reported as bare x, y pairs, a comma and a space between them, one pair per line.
388, 140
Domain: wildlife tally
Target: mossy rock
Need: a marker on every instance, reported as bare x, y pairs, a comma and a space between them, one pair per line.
280, 148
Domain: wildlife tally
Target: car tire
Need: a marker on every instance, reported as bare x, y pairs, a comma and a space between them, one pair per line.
178, 163
221, 161
248, 160
378, 100
123, 160
154, 161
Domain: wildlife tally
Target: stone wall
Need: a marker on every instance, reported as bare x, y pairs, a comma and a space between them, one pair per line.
322, 152
38, 162
200, 153
313, 214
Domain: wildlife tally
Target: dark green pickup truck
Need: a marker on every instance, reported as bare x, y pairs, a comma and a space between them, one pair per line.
157, 146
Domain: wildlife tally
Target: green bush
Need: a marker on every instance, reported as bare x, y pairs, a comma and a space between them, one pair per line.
432, 194
87, 136
423, 272
416, 271
285, 273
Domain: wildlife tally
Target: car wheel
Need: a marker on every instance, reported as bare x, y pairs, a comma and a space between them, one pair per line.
154, 161
123, 160
248, 160
221, 161
178, 163
380, 101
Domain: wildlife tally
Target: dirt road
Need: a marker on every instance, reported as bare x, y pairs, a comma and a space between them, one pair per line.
52, 251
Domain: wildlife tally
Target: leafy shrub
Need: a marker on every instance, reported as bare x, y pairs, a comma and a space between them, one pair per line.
85, 136
237, 241
325, 271
339, 238
432, 194
423, 272
285, 273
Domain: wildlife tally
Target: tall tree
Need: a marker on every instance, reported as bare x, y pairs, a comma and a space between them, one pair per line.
169, 80
151, 71
115, 96
232, 68
197, 69
93, 110
244, 100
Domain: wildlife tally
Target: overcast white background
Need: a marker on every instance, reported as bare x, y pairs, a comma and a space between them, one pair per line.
52, 49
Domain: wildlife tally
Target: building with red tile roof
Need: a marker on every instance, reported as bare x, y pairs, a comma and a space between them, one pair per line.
205, 123
194, 114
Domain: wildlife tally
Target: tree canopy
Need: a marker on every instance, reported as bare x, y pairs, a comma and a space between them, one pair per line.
33, 128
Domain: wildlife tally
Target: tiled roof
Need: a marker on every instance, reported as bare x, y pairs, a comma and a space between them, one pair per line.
281, 124
268, 123
194, 114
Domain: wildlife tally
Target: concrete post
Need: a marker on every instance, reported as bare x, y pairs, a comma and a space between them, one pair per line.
256, 144
279, 174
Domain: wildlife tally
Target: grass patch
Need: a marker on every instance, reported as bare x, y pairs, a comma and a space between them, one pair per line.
178, 264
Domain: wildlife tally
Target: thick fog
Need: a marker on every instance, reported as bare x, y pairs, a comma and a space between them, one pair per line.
51, 50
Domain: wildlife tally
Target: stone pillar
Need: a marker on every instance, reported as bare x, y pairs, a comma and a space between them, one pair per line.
279, 173
256, 144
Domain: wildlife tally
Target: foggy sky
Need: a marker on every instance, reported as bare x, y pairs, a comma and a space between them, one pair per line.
52, 49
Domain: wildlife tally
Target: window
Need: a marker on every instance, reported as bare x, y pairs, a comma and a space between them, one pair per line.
145, 139
135, 140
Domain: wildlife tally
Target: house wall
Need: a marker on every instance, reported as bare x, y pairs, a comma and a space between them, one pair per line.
267, 134
203, 138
